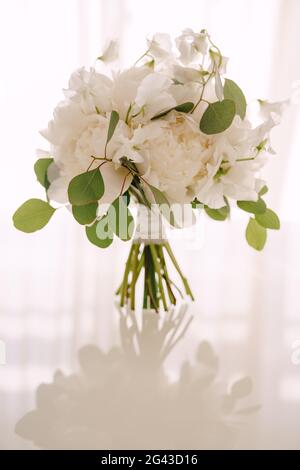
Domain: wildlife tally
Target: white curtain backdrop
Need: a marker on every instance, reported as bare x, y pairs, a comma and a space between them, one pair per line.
57, 289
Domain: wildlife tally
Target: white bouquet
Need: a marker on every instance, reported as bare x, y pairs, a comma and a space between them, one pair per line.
169, 133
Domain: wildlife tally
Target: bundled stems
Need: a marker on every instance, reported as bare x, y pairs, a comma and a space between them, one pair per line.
150, 259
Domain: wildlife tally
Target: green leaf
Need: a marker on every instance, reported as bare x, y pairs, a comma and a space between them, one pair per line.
268, 220
164, 205
218, 214
86, 214
256, 235
86, 188
40, 169
33, 215
120, 219
184, 107
100, 233
217, 117
114, 119
254, 207
181, 108
233, 92
263, 190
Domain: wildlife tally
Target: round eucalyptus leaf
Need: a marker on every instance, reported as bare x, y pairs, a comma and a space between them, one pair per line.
233, 92
217, 117
86, 188
256, 235
254, 207
33, 215
268, 220
86, 214
40, 169
100, 233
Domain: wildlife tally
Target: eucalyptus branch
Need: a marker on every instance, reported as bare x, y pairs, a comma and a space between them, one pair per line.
213, 72
202, 91
217, 49
123, 183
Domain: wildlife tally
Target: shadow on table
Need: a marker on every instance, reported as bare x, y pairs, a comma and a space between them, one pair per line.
122, 399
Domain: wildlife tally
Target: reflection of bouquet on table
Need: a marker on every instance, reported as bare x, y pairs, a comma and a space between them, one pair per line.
123, 400
169, 132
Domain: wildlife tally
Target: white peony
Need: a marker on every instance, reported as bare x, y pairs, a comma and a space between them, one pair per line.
176, 158
75, 138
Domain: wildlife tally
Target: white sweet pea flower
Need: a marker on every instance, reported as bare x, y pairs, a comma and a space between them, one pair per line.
273, 109
91, 89
187, 74
217, 62
125, 87
153, 96
234, 164
223, 66
160, 46
111, 52
191, 46
189, 92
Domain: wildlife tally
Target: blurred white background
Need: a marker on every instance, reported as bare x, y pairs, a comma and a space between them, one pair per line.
57, 289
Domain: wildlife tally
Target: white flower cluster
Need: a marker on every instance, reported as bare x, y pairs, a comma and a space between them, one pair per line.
161, 102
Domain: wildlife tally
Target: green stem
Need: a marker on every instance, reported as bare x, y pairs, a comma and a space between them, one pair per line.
158, 287
152, 281
165, 275
153, 303
176, 265
158, 271
140, 58
150, 287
